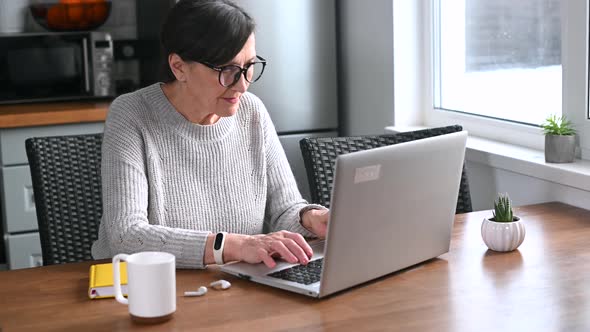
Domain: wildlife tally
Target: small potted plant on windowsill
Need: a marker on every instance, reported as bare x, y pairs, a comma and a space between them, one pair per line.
560, 139
503, 232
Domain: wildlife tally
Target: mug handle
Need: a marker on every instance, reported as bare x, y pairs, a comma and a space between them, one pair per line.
117, 278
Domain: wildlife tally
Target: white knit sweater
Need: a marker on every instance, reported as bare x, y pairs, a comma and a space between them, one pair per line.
167, 183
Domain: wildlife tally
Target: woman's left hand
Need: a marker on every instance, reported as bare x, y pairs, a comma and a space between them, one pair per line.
316, 221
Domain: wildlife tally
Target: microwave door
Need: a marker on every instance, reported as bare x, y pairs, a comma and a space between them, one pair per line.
43, 68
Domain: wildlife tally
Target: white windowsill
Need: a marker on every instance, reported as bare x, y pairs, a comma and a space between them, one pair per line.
525, 161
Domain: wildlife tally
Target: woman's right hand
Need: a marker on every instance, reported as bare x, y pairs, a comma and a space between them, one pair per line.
264, 248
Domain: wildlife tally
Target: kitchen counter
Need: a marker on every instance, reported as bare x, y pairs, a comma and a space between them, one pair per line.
43, 114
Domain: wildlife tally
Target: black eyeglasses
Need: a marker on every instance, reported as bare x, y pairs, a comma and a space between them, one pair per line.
230, 74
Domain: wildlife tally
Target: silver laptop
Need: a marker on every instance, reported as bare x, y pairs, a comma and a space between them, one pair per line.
391, 208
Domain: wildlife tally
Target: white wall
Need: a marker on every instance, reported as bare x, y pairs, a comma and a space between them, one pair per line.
409, 69
486, 182
365, 66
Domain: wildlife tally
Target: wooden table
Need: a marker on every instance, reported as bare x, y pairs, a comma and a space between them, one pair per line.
543, 286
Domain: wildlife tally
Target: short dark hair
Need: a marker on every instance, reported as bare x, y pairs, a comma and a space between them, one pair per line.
212, 31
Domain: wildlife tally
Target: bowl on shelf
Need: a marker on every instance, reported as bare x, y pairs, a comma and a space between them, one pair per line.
70, 15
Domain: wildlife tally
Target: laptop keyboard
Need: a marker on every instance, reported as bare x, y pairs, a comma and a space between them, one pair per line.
303, 274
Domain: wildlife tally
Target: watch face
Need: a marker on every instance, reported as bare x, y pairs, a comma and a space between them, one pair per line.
218, 240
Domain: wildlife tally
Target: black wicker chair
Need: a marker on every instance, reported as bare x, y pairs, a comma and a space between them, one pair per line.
319, 156
65, 171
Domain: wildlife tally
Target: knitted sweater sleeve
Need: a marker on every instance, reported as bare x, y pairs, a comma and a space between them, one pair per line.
125, 194
284, 201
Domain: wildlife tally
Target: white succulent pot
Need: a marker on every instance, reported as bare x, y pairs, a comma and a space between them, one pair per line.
502, 236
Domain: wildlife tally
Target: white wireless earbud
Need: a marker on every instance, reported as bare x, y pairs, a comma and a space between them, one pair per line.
220, 284
202, 291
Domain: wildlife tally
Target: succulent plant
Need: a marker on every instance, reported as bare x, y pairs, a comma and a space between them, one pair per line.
558, 125
503, 209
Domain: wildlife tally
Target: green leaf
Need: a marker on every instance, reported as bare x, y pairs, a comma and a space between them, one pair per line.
503, 209
558, 125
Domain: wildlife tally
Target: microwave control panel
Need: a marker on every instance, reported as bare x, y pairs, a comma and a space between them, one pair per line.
102, 56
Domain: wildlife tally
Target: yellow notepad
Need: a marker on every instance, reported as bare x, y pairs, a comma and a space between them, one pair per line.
101, 280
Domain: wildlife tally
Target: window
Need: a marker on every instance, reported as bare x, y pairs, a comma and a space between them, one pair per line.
428, 93
498, 59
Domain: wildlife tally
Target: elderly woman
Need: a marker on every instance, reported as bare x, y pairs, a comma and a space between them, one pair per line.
193, 166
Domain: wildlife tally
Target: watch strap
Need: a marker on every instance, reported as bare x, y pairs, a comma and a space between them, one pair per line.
218, 245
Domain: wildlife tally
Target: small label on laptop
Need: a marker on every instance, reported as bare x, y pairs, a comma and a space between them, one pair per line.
368, 173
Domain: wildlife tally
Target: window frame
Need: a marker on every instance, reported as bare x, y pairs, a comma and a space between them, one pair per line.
574, 86
575, 68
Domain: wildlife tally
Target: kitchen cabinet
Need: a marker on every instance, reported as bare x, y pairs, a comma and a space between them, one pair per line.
19, 230
19, 218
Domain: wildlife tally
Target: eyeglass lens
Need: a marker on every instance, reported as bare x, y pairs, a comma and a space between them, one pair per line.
231, 74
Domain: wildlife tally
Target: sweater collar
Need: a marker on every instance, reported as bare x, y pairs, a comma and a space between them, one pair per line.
158, 101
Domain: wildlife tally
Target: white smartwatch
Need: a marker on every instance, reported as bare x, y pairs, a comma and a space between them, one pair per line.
218, 247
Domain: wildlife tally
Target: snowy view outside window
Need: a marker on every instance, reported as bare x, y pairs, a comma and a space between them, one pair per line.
499, 58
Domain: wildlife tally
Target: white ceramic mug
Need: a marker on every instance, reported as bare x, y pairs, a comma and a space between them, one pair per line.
151, 285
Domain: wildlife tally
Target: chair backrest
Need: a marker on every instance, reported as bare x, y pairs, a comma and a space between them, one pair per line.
65, 171
319, 156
